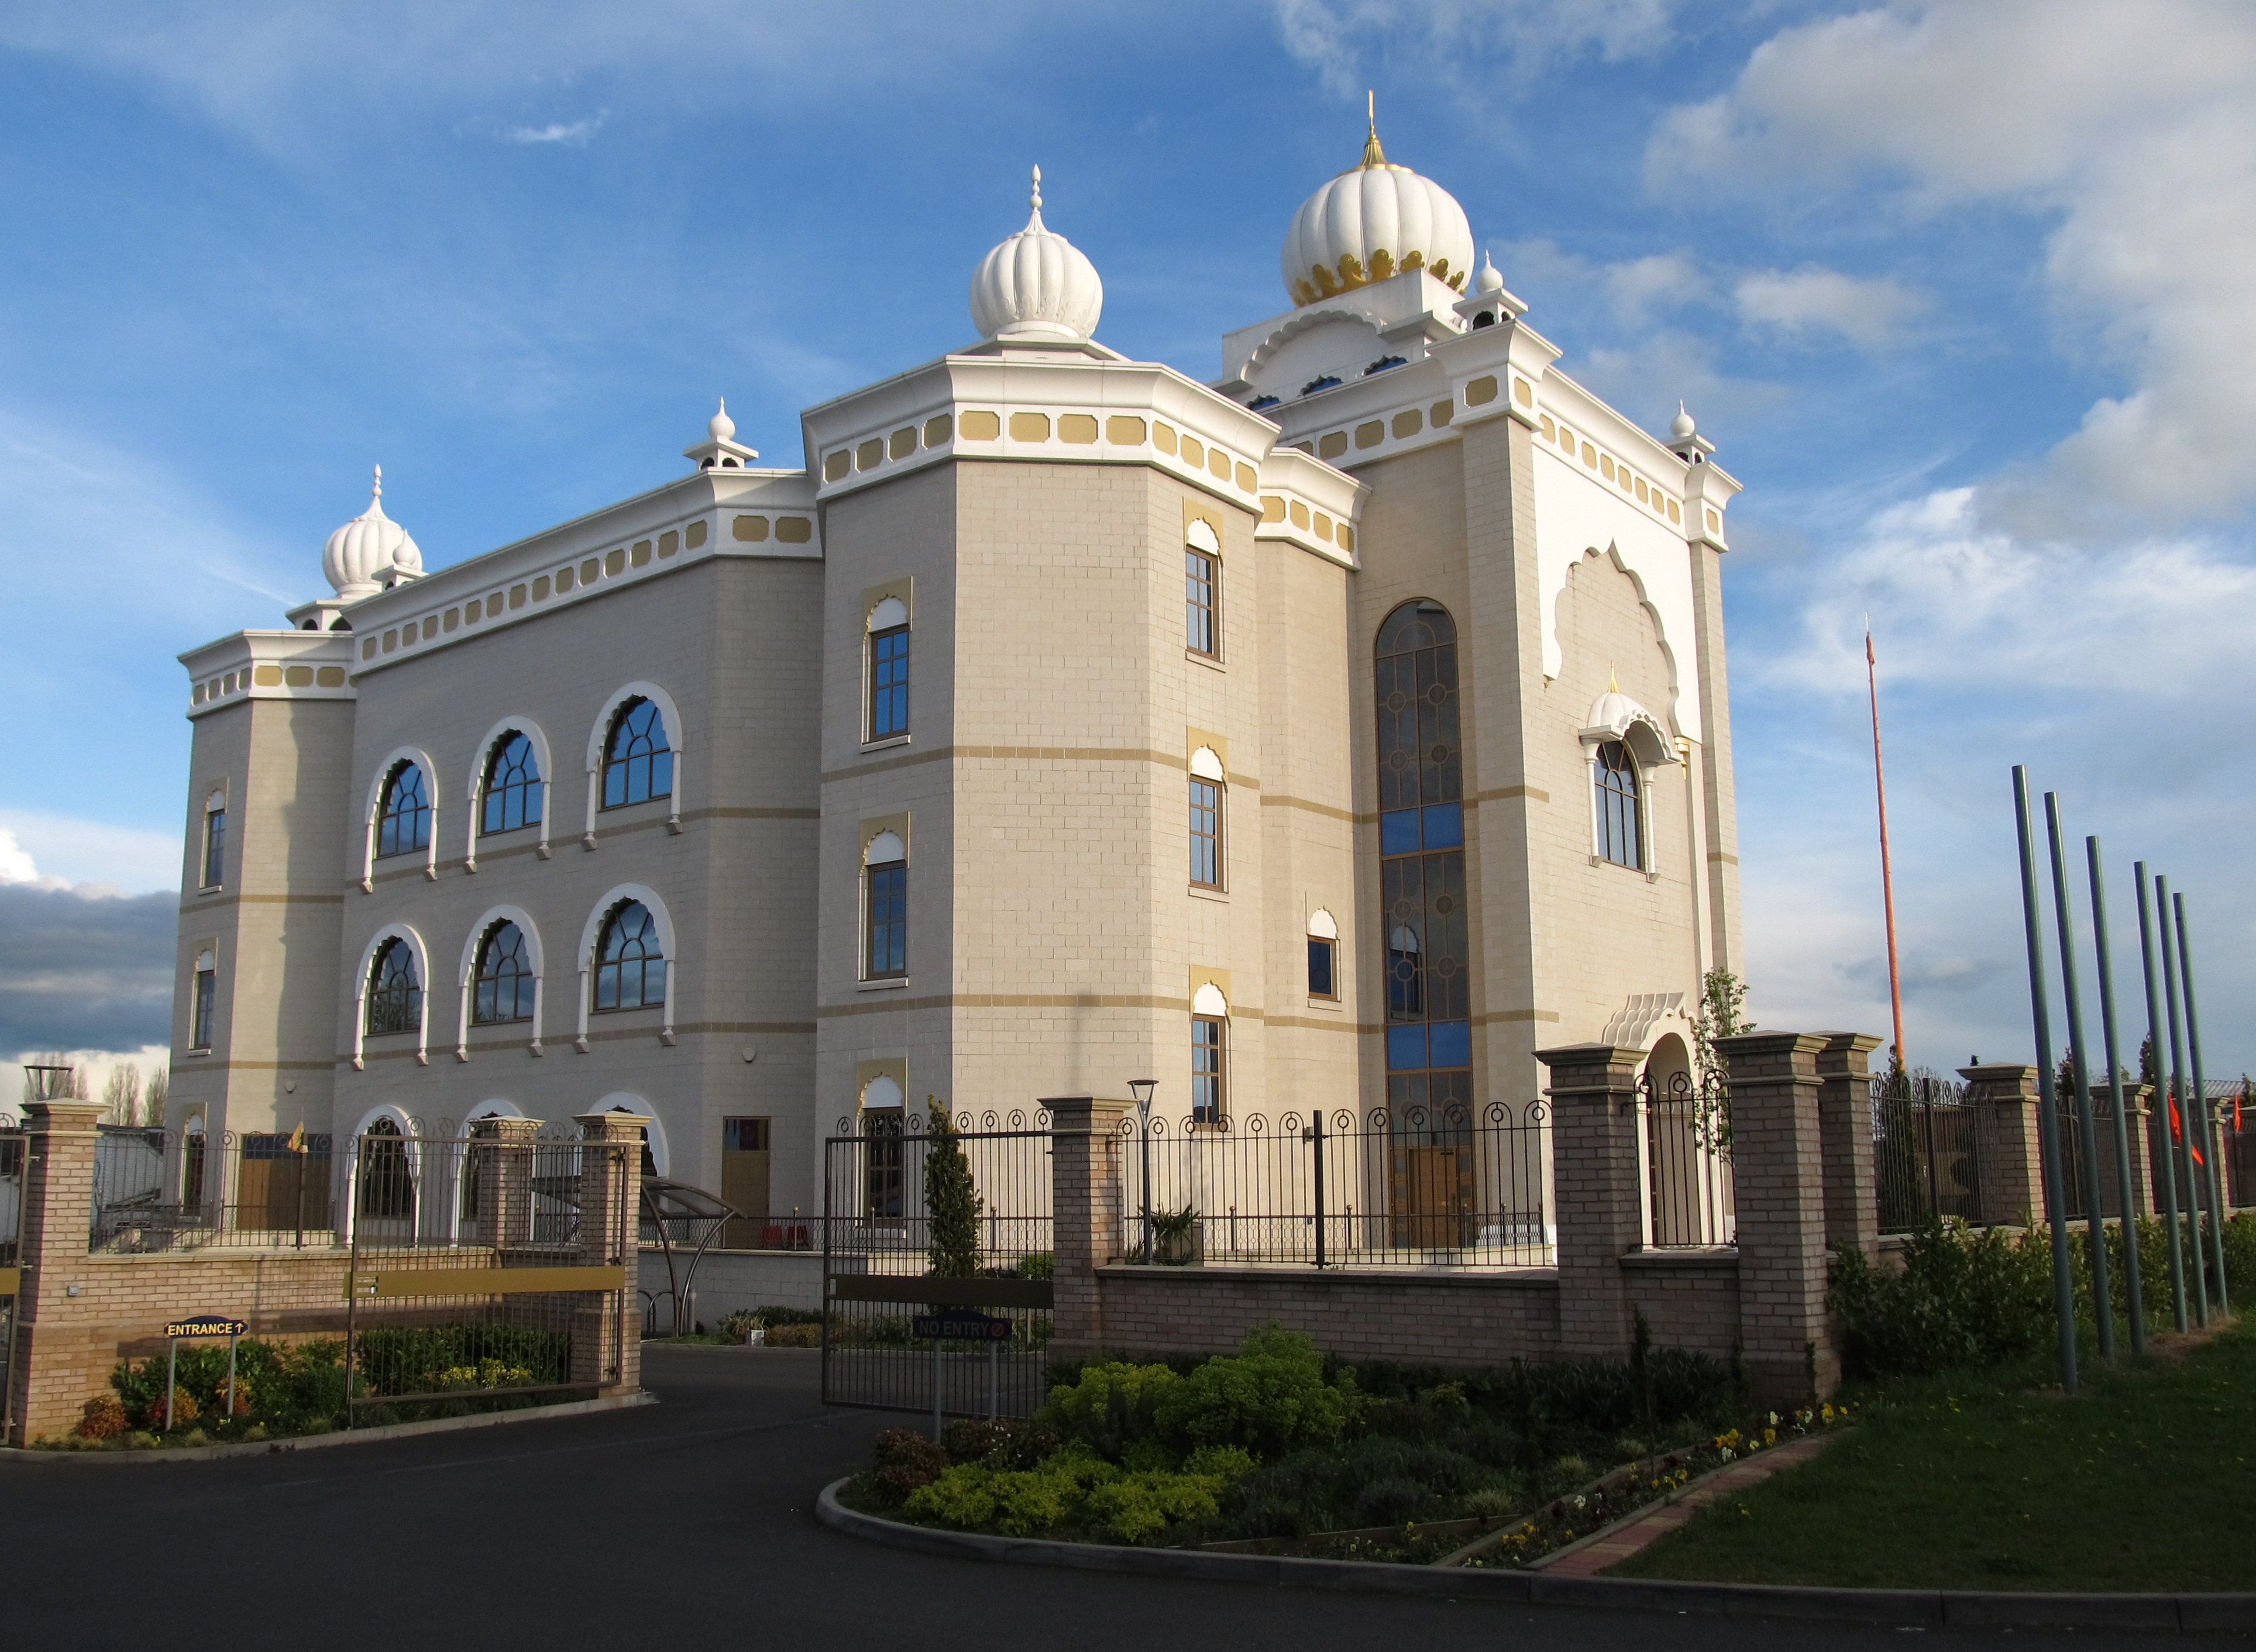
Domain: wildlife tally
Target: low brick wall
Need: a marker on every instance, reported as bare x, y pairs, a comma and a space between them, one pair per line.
1689, 1297
1454, 1319
122, 1302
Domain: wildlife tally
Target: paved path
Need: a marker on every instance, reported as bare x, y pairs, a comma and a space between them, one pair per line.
1617, 1545
685, 1524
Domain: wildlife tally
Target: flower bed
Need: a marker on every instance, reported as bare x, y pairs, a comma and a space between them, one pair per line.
1264, 1452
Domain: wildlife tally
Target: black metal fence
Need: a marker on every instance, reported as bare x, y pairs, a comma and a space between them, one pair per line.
484, 1271
11, 1256
1452, 1186
160, 1190
1689, 1196
895, 1336
1927, 1150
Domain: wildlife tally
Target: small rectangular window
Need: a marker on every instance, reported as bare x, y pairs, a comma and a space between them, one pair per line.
215, 849
745, 1181
1208, 1077
1206, 834
888, 682
885, 947
1323, 957
200, 1015
1199, 595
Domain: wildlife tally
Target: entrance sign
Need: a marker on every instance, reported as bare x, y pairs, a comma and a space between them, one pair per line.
961, 1325
207, 1324
201, 1324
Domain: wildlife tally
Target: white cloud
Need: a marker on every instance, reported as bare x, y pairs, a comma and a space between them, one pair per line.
2128, 122
1338, 38
92, 857
575, 134
1869, 312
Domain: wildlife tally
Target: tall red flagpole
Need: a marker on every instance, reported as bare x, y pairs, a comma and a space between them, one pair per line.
1887, 879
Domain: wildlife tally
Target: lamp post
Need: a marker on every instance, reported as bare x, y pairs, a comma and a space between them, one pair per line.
1141, 1089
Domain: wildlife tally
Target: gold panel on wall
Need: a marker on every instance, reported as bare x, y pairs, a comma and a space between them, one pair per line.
1163, 436
1300, 514
1077, 428
1332, 446
903, 442
751, 528
795, 530
1273, 508
1247, 480
1123, 430
1481, 392
981, 426
697, 537
835, 465
1409, 422
939, 429
1370, 433
1441, 412
1217, 464
299, 677
1030, 427
1193, 452
870, 455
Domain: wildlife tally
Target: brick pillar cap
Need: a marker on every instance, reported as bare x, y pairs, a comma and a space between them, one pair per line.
1764, 1044
611, 1127
1850, 1040
2013, 1072
1580, 1054
43, 1117
1081, 1107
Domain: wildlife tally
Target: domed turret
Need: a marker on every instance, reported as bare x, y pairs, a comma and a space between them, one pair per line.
1372, 221
1037, 284
371, 545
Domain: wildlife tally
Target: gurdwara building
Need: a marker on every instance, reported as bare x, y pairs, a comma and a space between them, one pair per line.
1334, 735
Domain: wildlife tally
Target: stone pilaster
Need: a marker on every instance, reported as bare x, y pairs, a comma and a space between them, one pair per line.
2004, 1094
1845, 1122
607, 1331
1088, 1188
2136, 1099
58, 1215
502, 1150
1594, 1174
1778, 1170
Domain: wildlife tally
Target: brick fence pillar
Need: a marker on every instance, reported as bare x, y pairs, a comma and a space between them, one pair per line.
1088, 1186
504, 1151
2136, 1098
58, 1215
1595, 1194
1778, 1173
607, 1330
2005, 1096
1844, 1128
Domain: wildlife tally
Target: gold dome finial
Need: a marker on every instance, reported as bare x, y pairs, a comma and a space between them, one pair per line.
1372, 155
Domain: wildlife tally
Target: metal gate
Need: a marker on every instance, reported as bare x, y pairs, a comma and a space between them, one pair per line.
942, 1328
485, 1271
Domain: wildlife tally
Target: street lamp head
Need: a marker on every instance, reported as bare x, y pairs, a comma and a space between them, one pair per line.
1141, 1089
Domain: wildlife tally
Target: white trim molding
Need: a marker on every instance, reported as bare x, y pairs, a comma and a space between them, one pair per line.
483, 757
422, 954
467, 977
615, 896
398, 755
677, 743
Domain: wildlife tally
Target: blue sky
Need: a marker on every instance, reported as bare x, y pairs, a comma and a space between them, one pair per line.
1959, 290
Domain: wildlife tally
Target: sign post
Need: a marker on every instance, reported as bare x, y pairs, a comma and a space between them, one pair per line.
198, 1325
962, 1324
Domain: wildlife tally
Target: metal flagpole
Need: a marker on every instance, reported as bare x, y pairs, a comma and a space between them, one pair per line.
2180, 1113
2216, 1176
2155, 1034
2126, 1202
2063, 1290
1887, 879
2095, 1222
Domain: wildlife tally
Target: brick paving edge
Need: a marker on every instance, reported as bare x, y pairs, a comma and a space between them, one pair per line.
335, 1437
1925, 1608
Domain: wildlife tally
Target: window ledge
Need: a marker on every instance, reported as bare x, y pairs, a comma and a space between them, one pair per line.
1333, 1004
1200, 892
212, 889
602, 809
886, 984
1213, 663
887, 743
204, 1052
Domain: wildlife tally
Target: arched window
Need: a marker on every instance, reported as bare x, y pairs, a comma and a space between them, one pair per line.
215, 872
637, 761
1421, 867
385, 1176
395, 990
1620, 837
1323, 954
888, 668
206, 990
502, 988
885, 908
1202, 591
512, 785
403, 818
192, 1163
630, 960
1206, 782
1210, 1055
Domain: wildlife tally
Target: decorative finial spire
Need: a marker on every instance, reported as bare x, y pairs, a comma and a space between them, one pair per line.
1372, 155
377, 492
1612, 687
1038, 189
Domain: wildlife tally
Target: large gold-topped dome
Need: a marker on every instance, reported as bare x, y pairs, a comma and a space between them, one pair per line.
1374, 220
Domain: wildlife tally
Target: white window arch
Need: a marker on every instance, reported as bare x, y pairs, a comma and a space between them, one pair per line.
467, 975
888, 613
1199, 535
1616, 719
398, 755
1323, 955
482, 758
1210, 1055
677, 740
1208, 799
886, 651
883, 849
406, 934
617, 896
346, 1194
884, 1091
661, 1158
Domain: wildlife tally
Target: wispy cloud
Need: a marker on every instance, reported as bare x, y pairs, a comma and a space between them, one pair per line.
1811, 302
574, 134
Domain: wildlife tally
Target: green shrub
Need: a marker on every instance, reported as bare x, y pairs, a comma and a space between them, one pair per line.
420, 1358
1111, 1407
901, 1462
1964, 1300
1269, 1397
1070, 1490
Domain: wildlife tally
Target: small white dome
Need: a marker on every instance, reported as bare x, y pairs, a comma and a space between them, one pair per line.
721, 427
1373, 222
1614, 715
361, 551
1036, 286
1490, 279
1680, 428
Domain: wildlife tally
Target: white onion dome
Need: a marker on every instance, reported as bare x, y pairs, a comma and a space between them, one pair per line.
1682, 428
1373, 222
1490, 279
371, 545
721, 427
1036, 286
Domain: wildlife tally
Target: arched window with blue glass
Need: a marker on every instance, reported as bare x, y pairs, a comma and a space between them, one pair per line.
502, 988
1421, 836
403, 815
638, 759
630, 959
511, 788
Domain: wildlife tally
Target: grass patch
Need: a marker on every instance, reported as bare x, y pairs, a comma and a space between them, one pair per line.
2142, 1483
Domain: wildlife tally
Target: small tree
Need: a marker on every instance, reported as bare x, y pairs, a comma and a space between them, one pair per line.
951, 1202
153, 1094
120, 1095
1720, 1013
